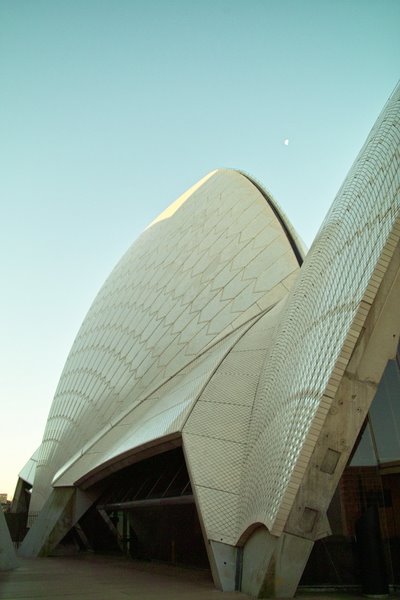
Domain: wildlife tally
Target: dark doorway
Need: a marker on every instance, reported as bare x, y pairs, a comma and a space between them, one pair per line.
147, 511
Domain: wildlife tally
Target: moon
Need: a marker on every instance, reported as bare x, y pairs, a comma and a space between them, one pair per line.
286, 141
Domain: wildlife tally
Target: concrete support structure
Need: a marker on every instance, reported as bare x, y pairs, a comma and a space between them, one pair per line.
63, 509
376, 345
257, 556
224, 565
8, 560
272, 567
289, 560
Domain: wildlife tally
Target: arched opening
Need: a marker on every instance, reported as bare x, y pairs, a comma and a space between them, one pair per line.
147, 511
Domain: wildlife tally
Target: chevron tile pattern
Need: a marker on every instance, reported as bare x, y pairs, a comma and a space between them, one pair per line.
210, 330
191, 278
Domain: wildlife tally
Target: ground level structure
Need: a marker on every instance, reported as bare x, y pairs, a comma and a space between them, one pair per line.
94, 577
231, 400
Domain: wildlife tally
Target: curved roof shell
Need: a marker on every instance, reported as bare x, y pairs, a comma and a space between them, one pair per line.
209, 333
264, 476
321, 324
174, 305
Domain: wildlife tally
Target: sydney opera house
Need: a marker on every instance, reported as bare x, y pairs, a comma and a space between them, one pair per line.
232, 401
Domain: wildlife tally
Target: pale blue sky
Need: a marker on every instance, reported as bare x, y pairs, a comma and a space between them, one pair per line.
110, 109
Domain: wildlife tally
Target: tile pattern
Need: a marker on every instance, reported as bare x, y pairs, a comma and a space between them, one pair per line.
215, 434
206, 327
162, 413
321, 323
196, 274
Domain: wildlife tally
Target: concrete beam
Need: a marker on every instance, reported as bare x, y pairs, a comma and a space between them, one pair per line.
63, 509
376, 345
272, 566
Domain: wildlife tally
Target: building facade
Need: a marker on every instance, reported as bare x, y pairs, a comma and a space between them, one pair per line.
232, 401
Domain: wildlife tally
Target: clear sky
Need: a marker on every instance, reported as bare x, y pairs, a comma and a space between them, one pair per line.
110, 109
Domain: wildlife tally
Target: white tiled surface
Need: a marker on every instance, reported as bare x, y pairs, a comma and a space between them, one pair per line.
27, 472
216, 431
192, 277
198, 309
162, 413
322, 320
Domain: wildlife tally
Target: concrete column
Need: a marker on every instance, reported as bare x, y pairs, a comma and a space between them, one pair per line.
258, 554
8, 560
223, 562
272, 567
290, 559
63, 509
